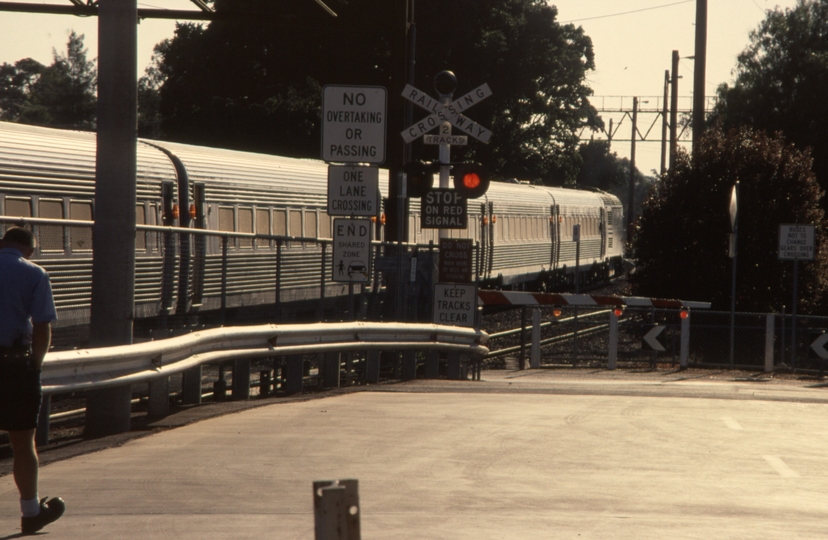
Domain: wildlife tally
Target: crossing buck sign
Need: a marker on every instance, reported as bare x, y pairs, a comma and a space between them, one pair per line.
452, 112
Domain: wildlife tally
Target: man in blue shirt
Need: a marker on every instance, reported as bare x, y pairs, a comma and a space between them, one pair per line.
27, 310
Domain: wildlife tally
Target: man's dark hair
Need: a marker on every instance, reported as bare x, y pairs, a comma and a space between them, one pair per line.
19, 235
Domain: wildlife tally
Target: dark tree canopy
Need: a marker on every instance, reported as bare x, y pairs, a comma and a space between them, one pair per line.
61, 95
258, 86
681, 241
781, 79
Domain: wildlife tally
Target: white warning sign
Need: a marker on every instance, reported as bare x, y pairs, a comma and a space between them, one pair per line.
796, 242
455, 304
352, 250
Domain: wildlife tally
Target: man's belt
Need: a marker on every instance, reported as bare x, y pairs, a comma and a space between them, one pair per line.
16, 352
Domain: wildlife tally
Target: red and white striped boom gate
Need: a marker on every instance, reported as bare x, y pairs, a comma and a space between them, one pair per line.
537, 300
547, 299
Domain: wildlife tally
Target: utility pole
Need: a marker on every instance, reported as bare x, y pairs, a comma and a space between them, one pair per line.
699, 72
664, 122
674, 111
631, 197
113, 255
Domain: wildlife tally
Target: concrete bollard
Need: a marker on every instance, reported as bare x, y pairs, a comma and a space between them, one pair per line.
684, 357
336, 509
158, 403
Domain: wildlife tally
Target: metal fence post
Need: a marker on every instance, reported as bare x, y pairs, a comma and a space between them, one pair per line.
372, 367
409, 367
612, 359
191, 386
331, 370
685, 342
293, 374
224, 240
432, 365
454, 370
522, 359
108, 411
336, 510
241, 379
158, 403
770, 327
536, 333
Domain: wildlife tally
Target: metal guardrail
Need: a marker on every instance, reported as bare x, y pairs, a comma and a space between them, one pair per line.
90, 369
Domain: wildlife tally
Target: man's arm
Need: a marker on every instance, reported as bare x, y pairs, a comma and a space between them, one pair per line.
41, 339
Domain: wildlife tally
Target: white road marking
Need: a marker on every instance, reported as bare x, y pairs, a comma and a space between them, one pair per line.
781, 467
731, 423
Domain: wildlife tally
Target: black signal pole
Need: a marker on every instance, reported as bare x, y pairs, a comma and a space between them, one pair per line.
631, 194
674, 110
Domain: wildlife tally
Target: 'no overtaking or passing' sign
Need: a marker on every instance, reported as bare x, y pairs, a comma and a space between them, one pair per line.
353, 124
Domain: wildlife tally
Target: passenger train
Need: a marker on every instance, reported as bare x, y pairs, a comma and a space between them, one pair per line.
524, 233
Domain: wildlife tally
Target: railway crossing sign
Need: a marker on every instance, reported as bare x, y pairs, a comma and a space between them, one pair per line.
353, 123
353, 190
651, 341
455, 304
453, 112
352, 250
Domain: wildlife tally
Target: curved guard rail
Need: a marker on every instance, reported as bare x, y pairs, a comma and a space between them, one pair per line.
87, 369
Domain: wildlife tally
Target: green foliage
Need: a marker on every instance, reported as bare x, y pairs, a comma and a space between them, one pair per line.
258, 86
781, 79
60, 95
681, 240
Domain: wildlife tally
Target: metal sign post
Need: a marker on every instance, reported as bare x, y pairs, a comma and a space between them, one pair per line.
795, 242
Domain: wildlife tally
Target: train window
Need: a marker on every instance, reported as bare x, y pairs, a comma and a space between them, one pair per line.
280, 222
18, 207
50, 236
324, 226
246, 226
262, 226
227, 219
295, 223
81, 237
140, 236
310, 223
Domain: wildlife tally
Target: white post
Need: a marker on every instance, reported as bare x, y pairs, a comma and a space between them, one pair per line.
534, 360
685, 342
770, 334
612, 361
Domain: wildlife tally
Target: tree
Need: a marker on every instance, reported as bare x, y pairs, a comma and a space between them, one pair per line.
681, 241
258, 86
780, 81
60, 95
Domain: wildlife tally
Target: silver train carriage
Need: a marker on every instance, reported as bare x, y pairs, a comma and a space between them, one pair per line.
524, 233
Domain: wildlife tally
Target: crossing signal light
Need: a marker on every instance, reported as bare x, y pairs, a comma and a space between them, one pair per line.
470, 180
419, 177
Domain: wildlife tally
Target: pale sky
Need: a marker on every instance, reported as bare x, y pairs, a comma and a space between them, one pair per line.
633, 41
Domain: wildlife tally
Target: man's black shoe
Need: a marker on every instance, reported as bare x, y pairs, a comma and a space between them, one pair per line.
50, 511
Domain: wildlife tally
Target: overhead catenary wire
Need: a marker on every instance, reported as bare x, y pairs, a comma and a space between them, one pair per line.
627, 12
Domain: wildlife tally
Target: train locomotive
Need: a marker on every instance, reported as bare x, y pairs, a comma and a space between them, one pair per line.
523, 233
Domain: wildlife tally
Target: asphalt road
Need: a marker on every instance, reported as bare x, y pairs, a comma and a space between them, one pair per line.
540, 454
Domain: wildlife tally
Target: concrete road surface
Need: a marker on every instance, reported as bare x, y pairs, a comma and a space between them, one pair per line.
528, 457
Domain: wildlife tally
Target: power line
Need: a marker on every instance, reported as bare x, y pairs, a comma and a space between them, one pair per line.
627, 12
